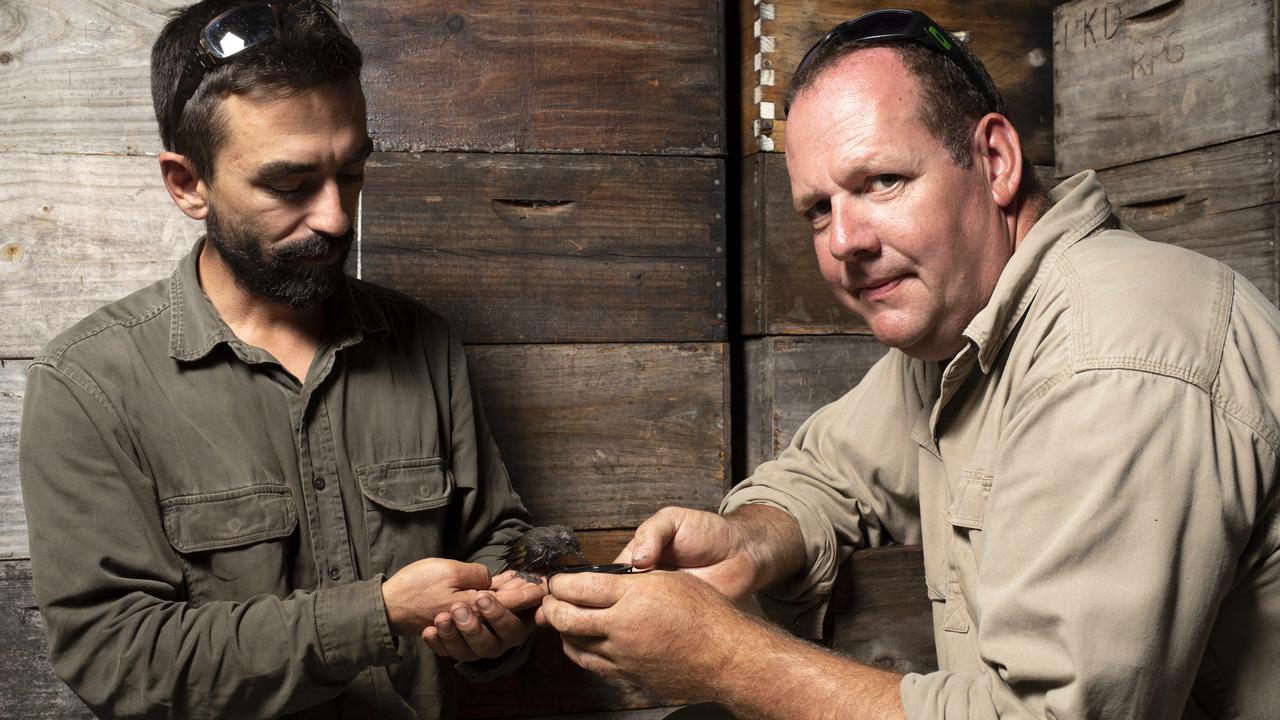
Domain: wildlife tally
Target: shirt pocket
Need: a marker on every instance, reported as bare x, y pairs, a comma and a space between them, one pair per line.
405, 505
233, 543
966, 515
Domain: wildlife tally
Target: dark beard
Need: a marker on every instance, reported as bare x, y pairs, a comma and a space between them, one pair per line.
270, 274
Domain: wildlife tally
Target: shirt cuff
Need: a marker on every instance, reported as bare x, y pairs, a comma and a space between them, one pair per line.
351, 622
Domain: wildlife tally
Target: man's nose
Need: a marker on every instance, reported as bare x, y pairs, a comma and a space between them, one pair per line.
850, 234
328, 215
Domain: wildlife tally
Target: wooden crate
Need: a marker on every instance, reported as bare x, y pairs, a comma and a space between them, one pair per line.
789, 378
1223, 201
552, 248
555, 75
782, 291
1011, 37
880, 613
1139, 79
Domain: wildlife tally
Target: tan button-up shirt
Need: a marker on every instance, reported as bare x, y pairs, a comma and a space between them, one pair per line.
209, 535
1093, 479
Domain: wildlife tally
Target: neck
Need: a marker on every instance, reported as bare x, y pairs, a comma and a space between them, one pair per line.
1027, 211
290, 335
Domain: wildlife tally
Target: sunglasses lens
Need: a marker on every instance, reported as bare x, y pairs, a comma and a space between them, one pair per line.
333, 16
241, 28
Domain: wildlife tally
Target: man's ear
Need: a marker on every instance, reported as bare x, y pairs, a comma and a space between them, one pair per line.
998, 149
184, 185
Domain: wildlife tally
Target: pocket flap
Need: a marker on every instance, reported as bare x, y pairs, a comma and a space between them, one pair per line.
969, 507
214, 521
406, 485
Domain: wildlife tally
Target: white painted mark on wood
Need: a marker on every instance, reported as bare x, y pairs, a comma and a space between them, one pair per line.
359, 235
766, 111
768, 11
767, 77
768, 44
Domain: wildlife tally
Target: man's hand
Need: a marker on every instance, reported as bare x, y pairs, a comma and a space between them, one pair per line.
490, 627
736, 554
668, 632
422, 590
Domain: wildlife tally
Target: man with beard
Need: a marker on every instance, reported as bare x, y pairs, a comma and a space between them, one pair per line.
245, 482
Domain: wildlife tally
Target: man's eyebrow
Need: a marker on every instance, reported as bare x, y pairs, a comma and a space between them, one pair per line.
278, 169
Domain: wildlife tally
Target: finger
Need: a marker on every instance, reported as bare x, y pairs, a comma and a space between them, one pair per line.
627, 552
502, 578
478, 637
571, 619
471, 576
454, 646
521, 596
654, 535
598, 590
431, 637
506, 627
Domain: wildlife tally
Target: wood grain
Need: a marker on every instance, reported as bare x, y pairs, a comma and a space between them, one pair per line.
30, 689
1011, 37
13, 520
602, 436
75, 75
77, 232
789, 378
782, 291
880, 613
1139, 79
1222, 201
580, 76
546, 248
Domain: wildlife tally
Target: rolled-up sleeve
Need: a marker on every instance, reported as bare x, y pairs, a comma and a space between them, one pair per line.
1121, 502
845, 478
109, 585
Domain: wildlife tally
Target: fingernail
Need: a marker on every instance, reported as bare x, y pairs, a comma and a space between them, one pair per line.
485, 603
462, 614
642, 553
445, 628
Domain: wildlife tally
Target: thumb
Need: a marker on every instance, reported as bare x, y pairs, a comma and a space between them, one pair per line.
653, 536
471, 576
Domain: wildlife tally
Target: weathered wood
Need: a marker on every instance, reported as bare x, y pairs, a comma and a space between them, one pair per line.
1223, 201
30, 689
1139, 79
1011, 37
77, 232
75, 76
552, 248
789, 378
580, 76
602, 436
880, 613
782, 291
13, 521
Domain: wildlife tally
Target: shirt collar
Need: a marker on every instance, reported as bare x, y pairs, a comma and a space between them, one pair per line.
196, 328
1078, 207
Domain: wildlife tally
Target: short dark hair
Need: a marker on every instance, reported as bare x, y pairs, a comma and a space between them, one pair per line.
951, 103
310, 52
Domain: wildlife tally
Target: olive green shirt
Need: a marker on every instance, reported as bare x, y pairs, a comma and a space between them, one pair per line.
209, 535
1093, 478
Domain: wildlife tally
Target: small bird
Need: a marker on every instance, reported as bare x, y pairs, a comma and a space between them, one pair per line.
542, 550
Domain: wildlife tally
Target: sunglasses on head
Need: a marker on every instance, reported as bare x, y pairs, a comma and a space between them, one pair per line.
910, 25
229, 34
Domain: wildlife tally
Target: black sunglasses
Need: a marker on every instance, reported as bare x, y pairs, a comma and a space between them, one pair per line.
911, 25
228, 35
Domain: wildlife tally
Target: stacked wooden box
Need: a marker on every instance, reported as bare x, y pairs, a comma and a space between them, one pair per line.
802, 349
1175, 105
549, 176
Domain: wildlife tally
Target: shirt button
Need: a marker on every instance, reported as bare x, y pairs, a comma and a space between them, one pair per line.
334, 573
318, 483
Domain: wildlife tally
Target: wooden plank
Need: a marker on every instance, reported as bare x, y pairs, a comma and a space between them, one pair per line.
782, 290
1138, 79
880, 613
13, 519
1223, 201
30, 689
602, 436
789, 378
547, 248
1011, 37
75, 75
79, 232
564, 76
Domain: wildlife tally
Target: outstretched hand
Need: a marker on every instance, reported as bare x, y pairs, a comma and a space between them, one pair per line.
491, 625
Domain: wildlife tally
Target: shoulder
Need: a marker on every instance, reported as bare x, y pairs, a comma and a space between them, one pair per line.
402, 313
134, 322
